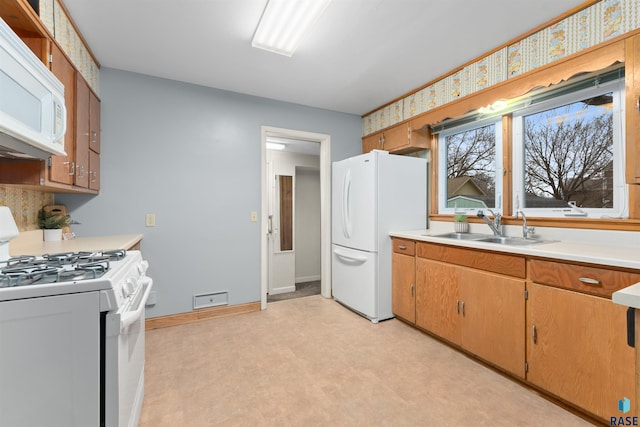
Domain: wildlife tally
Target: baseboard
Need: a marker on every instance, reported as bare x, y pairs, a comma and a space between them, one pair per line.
200, 314
307, 279
282, 290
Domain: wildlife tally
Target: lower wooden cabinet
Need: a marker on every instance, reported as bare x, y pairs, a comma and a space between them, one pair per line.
550, 323
577, 349
480, 311
403, 280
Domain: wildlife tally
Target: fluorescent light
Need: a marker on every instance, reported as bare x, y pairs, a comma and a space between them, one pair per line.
274, 146
284, 23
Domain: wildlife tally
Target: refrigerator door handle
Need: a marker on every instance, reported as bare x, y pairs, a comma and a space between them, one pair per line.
351, 258
346, 212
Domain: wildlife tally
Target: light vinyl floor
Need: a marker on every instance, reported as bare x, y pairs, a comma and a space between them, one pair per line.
312, 362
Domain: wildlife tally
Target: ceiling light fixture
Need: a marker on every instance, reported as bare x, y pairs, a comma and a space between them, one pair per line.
284, 23
274, 146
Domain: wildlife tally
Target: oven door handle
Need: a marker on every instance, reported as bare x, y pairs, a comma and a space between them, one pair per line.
129, 317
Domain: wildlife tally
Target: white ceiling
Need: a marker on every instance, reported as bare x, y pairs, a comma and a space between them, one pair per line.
361, 53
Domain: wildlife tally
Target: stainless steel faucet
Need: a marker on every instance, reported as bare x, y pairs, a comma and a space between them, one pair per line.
525, 230
495, 225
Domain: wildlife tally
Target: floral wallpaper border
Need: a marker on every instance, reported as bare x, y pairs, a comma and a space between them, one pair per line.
598, 23
58, 23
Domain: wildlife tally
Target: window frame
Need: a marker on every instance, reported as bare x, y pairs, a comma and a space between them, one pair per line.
443, 161
620, 207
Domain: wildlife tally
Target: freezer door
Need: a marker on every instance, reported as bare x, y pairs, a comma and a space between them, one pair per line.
354, 213
353, 278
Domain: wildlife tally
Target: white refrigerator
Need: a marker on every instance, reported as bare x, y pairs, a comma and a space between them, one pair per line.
372, 194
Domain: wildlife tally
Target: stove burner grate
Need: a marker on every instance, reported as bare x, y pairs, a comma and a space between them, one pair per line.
56, 268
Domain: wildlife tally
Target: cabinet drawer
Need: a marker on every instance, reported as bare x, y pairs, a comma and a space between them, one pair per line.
510, 265
402, 246
590, 280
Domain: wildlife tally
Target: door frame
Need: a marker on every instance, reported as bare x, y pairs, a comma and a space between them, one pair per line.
325, 206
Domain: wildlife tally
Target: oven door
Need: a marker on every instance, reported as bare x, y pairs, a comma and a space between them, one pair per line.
124, 360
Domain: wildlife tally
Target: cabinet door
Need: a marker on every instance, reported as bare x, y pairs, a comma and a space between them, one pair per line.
94, 122
632, 94
372, 142
396, 137
81, 178
62, 167
94, 170
403, 285
437, 299
493, 318
577, 349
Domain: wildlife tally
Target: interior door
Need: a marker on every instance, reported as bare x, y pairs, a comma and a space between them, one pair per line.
281, 256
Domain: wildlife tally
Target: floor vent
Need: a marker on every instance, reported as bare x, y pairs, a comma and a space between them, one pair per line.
213, 299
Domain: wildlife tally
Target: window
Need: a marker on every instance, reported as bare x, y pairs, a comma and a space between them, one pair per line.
568, 154
470, 172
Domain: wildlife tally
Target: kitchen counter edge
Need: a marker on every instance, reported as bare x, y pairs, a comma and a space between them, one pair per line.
608, 255
28, 245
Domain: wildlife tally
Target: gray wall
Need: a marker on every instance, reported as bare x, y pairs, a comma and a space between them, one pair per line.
307, 224
191, 155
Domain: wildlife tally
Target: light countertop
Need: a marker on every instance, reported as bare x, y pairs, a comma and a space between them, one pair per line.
629, 296
602, 254
31, 243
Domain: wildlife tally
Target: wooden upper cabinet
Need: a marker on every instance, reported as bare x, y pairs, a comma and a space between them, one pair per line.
372, 142
399, 139
94, 170
94, 122
61, 168
632, 109
403, 139
81, 177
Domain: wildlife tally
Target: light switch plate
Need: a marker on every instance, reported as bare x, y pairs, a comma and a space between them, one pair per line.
254, 216
150, 220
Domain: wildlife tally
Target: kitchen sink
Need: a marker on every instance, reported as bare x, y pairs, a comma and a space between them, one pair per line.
512, 241
461, 236
500, 240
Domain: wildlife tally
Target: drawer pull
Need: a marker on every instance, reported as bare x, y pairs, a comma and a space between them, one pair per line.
589, 281
534, 334
402, 247
412, 287
463, 308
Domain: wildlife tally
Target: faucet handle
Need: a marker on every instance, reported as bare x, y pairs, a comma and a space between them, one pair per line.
531, 232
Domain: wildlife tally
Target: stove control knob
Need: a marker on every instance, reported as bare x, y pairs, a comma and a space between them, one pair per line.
129, 287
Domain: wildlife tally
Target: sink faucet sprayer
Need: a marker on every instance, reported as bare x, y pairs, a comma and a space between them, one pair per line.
495, 225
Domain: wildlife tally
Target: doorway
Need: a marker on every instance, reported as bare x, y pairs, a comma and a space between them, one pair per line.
267, 224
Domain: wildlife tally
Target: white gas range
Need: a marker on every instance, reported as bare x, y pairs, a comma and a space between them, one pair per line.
72, 339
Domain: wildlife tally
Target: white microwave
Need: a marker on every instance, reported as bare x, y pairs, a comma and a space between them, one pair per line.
33, 115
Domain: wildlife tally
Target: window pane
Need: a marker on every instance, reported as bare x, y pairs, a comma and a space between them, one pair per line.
471, 168
568, 155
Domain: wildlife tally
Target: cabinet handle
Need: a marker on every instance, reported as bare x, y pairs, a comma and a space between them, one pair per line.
589, 281
72, 168
81, 171
462, 308
412, 286
94, 176
534, 334
381, 141
458, 306
94, 136
402, 247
